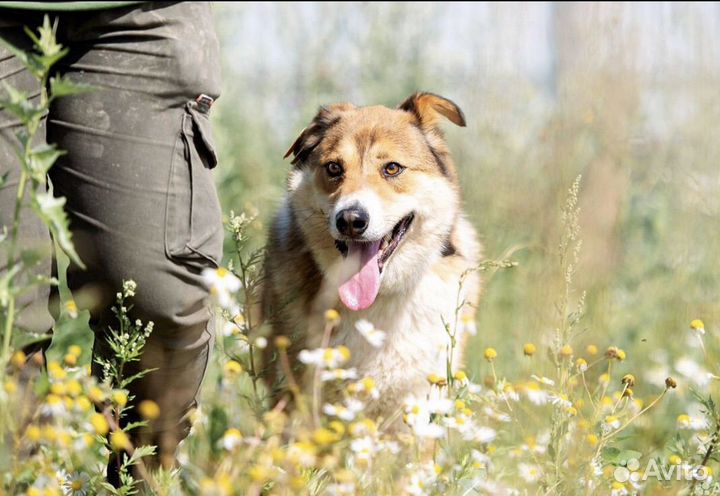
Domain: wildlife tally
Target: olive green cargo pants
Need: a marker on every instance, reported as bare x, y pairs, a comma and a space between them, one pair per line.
140, 196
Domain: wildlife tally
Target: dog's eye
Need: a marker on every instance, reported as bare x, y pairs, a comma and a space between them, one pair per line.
334, 169
392, 169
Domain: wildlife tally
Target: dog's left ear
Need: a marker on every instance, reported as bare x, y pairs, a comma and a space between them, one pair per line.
428, 108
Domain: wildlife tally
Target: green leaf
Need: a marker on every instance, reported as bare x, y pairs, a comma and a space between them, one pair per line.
615, 456
17, 104
218, 425
50, 210
61, 86
41, 159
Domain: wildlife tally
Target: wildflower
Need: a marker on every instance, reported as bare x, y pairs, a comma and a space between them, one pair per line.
332, 317
302, 453
366, 386
461, 377
340, 411
129, 288
259, 473
96, 394
674, 460
581, 364
260, 342
417, 416
71, 308
591, 350
232, 368
529, 349
468, 324
627, 393
698, 327
566, 351
18, 359
53, 406
119, 441
78, 484
221, 283
325, 357
536, 395
10, 386
490, 354
670, 383
543, 380
33, 433
530, 473
363, 448
149, 409
338, 374
560, 400
613, 352
436, 380
611, 423
231, 439
120, 398
685, 421
341, 489
282, 342
604, 379
592, 439
99, 423
323, 436
693, 371
628, 380
375, 337
70, 360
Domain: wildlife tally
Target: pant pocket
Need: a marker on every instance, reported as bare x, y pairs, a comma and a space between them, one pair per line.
193, 227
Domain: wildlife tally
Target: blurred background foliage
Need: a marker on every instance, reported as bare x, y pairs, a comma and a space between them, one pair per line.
624, 94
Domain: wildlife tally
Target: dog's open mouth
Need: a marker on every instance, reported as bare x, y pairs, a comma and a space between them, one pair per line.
388, 244
364, 262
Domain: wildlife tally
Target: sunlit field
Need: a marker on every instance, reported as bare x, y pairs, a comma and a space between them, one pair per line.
590, 168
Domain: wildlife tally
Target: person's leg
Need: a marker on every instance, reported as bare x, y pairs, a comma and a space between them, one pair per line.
141, 197
33, 316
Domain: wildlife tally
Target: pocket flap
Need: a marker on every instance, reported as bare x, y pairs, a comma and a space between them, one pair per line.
204, 130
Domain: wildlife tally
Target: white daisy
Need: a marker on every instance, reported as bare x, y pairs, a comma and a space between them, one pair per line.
375, 337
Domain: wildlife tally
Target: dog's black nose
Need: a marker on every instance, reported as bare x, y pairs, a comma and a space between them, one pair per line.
352, 222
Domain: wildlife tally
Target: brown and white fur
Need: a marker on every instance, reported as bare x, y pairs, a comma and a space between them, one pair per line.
420, 280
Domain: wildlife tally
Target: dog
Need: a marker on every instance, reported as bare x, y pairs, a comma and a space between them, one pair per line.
373, 227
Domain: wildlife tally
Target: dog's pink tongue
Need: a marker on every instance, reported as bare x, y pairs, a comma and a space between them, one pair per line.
360, 291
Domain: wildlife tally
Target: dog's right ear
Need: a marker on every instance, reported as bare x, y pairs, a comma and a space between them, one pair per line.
311, 136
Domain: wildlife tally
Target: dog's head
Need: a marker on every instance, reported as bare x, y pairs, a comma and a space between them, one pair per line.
375, 193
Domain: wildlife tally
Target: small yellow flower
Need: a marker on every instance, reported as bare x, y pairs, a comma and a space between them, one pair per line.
529, 349
581, 364
75, 350
436, 380
674, 460
57, 388
282, 342
604, 378
490, 354
119, 441
73, 388
70, 360
698, 326
10, 386
120, 398
96, 394
232, 368
71, 308
670, 383
83, 404
258, 473
592, 439
628, 393
33, 433
566, 351
323, 436
344, 351
332, 317
613, 352
18, 359
460, 376
629, 380
99, 423
149, 409
591, 350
